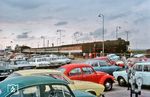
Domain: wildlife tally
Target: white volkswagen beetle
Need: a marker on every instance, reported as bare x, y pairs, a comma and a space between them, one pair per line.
142, 70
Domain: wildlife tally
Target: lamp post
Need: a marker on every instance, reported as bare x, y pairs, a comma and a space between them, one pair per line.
60, 35
42, 37
117, 28
127, 32
103, 44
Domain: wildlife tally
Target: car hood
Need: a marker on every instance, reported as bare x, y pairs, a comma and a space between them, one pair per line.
78, 93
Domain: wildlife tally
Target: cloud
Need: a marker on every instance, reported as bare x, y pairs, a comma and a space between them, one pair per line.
121, 15
142, 20
61, 23
24, 35
23, 4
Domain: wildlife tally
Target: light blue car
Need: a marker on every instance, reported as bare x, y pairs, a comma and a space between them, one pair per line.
142, 70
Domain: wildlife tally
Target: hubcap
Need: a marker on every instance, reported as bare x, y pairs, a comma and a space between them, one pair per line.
121, 81
108, 85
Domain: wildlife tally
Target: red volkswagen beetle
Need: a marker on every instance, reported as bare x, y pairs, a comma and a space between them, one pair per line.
85, 72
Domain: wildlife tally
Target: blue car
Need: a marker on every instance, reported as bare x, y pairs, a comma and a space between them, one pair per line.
38, 86
100, 65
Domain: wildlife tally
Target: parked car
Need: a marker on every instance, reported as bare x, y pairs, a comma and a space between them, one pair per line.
38, 86
94, 88
5, 70
113, 57
61, 60
105, 58
21, 64
142, 70
111, 62
100, 65
86, 72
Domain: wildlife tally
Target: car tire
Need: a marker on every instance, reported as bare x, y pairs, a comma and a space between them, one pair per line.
121, 81
108, 85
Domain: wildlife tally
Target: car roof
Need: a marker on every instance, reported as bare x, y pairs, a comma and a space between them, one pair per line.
143, 63
26, 81
74, 65
36, 71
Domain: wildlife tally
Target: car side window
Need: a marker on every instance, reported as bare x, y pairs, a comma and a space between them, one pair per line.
76, 71
60, 91
27, 92
87, 70
95, 64
147, 68
138, 68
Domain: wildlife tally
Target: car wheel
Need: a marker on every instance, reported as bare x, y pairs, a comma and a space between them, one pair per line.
121, 81
108, 85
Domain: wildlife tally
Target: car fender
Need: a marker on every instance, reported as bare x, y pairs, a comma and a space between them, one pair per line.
106, 77
91, 91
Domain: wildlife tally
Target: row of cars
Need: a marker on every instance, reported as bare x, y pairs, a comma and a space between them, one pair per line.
81, 77
20, 63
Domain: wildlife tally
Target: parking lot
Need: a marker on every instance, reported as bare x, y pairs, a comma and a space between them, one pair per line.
119, 91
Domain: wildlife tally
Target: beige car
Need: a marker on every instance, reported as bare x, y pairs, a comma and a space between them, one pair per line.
94, 88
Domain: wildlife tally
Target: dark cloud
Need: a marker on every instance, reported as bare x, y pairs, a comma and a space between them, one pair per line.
23, 4
60, 9
61, 23
25, 35
1, 30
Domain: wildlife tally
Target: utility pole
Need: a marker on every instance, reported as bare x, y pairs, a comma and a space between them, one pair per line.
117, 29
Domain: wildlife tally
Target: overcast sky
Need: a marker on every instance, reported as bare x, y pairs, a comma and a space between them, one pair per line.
26, 22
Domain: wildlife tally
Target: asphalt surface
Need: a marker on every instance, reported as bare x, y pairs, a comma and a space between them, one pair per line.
119, 91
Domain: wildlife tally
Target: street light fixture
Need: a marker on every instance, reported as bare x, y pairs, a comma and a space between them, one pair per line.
103, 44
117, 28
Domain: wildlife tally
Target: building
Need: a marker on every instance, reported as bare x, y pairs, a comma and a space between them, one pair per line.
93, 48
